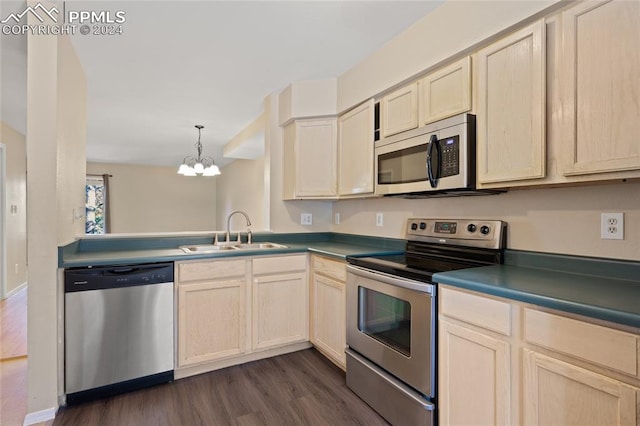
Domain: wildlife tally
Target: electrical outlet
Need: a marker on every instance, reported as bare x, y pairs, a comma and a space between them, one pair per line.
612, 226
379, 219
306, 219
336, 219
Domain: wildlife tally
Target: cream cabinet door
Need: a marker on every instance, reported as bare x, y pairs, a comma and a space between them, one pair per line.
558, 393
474, 377
355, 145
328, 332
280, 310
310, 159
511, 107
601, 67
446, 92
211, 320
399, 110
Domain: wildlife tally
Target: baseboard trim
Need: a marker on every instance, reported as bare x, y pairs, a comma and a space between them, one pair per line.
17, 289
40, 416
188, 371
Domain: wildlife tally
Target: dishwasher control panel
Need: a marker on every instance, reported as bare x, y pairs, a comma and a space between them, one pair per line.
105, 277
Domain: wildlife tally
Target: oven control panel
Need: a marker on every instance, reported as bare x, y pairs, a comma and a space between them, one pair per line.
466, 232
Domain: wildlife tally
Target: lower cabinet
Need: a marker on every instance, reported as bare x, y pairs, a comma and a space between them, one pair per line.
557, 392
232, 310
504, 362
211, 310
328, 308
474, 377
280, 301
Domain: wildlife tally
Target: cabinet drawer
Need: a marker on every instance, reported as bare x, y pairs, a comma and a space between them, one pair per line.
274, 265
481, 311
605, 346
199, 271
331, 268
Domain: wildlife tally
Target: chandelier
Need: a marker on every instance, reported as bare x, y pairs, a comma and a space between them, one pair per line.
193, 166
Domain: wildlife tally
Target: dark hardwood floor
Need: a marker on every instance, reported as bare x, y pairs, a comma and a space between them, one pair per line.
301, 388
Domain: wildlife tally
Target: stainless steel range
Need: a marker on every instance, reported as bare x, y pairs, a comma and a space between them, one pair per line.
391, 313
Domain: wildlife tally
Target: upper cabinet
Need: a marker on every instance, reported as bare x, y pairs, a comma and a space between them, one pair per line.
446, 92
310, 159
355, 142
511, 107
601, 87
556, 101
399, 110
440, 94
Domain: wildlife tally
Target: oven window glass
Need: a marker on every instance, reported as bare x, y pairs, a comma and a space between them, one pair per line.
403, 166
386, 319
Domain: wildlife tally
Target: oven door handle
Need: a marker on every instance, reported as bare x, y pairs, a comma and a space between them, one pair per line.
389, 279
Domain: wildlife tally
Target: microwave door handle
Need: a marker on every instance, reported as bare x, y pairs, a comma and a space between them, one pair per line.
433, 161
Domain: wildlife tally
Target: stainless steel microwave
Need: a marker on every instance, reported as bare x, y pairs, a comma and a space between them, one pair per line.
438, 158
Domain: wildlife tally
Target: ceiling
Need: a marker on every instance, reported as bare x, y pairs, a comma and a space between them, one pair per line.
182, 63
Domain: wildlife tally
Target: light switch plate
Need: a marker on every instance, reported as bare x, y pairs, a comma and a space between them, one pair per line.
306, 219
379, 219
336, 219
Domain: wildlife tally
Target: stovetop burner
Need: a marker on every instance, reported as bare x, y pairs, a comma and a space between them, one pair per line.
439, 245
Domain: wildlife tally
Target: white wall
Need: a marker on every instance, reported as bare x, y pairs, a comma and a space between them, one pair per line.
451, 28
255, 186
554, 220
56, 103
285, 215
157, 199
16, 195
241, 187
71, 135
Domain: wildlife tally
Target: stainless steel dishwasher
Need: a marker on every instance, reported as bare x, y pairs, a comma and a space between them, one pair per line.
118, 329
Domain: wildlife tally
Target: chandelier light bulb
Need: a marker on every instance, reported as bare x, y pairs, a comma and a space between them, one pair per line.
212, 170
183, 170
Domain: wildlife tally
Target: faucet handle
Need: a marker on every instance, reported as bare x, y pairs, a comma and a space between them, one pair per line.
215, 238
239, 240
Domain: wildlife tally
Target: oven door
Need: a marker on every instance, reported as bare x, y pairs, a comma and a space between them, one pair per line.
391, 322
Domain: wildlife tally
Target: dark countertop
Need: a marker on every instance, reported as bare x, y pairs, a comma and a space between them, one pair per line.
609, 291
131, 250
606, 289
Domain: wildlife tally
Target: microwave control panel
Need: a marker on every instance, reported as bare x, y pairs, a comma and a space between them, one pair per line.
450, 153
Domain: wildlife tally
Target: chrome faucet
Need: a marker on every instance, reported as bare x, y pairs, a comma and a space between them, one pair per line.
228, 234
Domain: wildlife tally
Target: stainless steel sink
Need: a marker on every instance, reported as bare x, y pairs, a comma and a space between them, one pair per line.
258, 246
206, 248
214, 248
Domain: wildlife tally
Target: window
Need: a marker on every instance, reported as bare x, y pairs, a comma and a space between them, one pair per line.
96, 201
